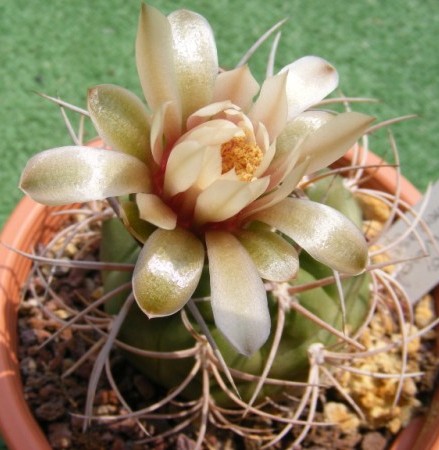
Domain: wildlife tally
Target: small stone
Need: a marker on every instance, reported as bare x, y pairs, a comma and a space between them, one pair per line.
372, 228
28, 366
106, 410
29, 304
339, 413
60, 437
98, 292
424, 311
51, 410
373, 441
106, 397
184, 443
28, 337
373, 208
71, 249
48, 391
62, 314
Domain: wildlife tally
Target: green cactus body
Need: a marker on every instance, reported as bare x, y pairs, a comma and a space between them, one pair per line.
332, 191
291, 362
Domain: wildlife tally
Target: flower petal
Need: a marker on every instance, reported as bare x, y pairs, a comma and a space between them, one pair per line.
263, 142
333, 139
280, 192
271, 107
183, 166
121, 120
195, 59
274, 257
224, 198
281, 166
197, 157
167, 271
153, 210
155, 64
210, 169
310, 79
159, 120
238, 297
213, 132
298, 129
207, 112
78, 174
326, 234
238, 86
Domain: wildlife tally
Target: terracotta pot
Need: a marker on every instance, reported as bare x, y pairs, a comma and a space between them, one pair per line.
383, 177
31, 223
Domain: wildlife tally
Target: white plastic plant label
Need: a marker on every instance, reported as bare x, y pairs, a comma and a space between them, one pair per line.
420, 272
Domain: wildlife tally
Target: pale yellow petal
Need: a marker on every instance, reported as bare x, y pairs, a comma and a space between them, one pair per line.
167, 271
325, 233
269, 151
298, 129
184, 165
153, 210
213, 132
225, 198
211, 167
155, 64
281, 166
196, 159
159, 119
121, 120
238, 297
274, 257
271, 107
79, 174
282, 191
208, 112
195, 59
333, 139
238, 86
310, 80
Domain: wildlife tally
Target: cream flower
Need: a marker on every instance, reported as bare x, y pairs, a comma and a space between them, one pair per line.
213, 171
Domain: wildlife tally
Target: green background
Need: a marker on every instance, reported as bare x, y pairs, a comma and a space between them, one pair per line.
382, 49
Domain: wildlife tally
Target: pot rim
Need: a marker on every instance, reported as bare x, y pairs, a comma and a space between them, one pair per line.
29, 223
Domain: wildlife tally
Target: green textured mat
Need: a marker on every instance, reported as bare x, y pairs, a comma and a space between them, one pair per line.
383, 49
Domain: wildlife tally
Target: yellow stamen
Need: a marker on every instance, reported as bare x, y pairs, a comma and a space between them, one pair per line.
245, 157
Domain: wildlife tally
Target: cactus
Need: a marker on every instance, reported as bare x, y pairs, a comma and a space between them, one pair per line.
291, 362
250, 273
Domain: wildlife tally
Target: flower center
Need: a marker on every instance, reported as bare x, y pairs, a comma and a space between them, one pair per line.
241, 155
